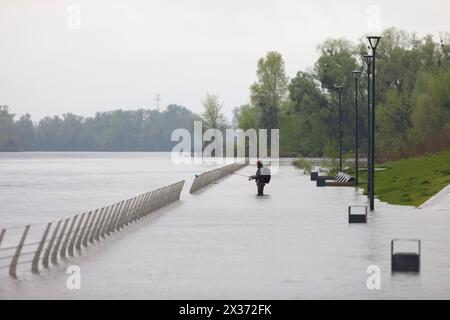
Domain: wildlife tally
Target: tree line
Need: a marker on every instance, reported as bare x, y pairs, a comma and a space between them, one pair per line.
119, 130
413, 97
412, 111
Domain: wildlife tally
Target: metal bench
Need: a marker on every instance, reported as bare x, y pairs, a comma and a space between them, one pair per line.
340, 180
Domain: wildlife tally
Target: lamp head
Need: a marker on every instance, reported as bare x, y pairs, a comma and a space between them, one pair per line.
356, 74
373, 41
368, 59
339, 89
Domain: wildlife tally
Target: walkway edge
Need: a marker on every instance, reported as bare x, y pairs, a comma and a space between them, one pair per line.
436, 199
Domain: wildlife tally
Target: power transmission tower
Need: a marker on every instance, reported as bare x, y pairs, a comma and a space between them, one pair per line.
158, 101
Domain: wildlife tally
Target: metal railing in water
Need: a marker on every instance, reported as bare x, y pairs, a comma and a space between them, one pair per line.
206, 178
40, 246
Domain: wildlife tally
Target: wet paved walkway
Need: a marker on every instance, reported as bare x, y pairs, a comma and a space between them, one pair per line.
441, 201
226, 243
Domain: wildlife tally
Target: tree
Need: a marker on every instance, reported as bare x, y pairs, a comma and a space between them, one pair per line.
431, 109
213, 111
309, 111
269, 91
393, 118
8, 138
49, 134
334, 67
236, 115
26, 133
249, 117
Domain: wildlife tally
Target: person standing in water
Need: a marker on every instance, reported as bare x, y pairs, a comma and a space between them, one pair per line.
261, 177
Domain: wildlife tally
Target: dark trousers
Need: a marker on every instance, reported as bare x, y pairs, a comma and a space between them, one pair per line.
260, 186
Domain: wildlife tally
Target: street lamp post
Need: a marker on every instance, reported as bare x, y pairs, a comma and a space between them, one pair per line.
368, 61
373, 41
339, 90
356, 75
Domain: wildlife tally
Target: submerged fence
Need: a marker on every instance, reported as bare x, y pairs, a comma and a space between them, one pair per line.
206, 178
40, 246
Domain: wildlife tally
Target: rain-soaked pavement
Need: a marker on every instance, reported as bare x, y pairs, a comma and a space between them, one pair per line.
226, 243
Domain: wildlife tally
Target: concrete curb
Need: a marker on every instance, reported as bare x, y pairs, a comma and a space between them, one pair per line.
436, 199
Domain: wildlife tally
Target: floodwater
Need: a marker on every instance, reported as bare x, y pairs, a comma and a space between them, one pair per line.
41, 187
224, 242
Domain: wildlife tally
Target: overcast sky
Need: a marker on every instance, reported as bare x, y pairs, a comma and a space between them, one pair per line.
94, 55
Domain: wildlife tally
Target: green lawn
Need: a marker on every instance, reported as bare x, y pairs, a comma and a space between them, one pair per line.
411, 181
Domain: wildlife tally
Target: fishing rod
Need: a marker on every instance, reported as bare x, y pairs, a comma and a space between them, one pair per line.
238, 174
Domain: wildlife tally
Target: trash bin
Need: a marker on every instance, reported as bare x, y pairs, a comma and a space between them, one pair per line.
320, 182
405, 260
357, 214
314, 176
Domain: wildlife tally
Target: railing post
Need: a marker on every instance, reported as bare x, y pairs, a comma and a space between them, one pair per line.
63, 251
83, 231
145, 204
119, 216
132, 210
114, 218
45, 260
35, 263
150, 203
108, 221
144, 209
137, 214
123, 215
172, 194
163, 197
157, 200
127, 213
173, 190
2, 234
178, 190
140, 212
89, 228
100, 227
154, 201
54, 256
166, 196
104, 223
96, 225
180, 186
73, 240
15, 259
